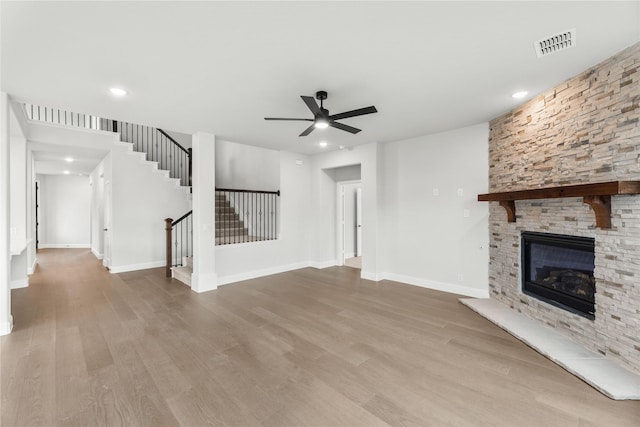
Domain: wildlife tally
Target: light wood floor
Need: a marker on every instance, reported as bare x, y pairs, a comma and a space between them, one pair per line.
304, 348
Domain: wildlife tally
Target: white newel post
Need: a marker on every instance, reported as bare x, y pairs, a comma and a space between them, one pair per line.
204, 241
6, 321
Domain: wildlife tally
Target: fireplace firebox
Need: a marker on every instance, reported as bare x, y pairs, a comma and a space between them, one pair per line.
558, 269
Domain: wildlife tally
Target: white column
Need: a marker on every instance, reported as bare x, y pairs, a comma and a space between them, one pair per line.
6, 321
204, 240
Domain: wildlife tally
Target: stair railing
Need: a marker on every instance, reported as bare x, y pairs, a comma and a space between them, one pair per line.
158, 145
246, 215
179, 240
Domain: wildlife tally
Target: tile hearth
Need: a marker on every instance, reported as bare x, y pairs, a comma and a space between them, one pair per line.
595, 369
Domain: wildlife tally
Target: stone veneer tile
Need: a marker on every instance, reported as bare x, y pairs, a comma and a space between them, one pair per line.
585, 130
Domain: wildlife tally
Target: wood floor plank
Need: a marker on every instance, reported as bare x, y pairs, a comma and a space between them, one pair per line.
303, 348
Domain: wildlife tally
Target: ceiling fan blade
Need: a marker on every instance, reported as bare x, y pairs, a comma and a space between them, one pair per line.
308, 130
354, 113
344, 127
278, 118
312, 104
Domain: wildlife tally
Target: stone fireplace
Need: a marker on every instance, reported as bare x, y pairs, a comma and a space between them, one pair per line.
558, 269
586, 130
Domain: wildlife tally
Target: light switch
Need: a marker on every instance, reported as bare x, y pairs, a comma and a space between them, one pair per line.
460, 192
436, 192
466, 213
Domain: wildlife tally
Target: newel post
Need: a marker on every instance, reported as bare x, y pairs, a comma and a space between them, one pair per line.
168, 228
189, 152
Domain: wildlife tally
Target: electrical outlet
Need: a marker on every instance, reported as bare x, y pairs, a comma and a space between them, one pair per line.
436, 192
460, 278
299, 162
460, 192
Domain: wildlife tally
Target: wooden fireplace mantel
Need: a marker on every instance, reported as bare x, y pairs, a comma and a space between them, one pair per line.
597, 195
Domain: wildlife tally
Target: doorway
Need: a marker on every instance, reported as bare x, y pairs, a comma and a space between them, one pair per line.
349, 220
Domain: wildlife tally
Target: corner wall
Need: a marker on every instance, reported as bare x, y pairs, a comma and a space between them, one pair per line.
435, 231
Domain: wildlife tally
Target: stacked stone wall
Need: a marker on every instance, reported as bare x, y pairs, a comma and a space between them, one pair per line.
585, 130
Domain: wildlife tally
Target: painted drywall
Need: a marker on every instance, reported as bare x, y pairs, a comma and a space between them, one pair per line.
291, 250
96, 181
65, 211
245, 167
435, 232
350, 218
324, 246
347, 173
141, 198
6, 320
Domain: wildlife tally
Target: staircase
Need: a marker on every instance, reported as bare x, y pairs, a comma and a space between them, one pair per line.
229, 227
183, 273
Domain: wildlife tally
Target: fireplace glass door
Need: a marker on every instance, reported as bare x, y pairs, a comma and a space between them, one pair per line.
559, 270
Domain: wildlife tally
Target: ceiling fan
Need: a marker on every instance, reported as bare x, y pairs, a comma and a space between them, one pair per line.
322, 119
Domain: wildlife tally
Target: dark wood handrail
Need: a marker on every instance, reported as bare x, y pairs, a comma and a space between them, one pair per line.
181, 218
173, 140
249, 191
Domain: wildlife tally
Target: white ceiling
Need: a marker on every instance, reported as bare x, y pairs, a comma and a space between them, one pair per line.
221, 67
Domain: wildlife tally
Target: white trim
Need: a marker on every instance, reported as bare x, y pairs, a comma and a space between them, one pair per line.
323, 264
366, 275
134, 267
438, 286
6, 327
348, 255
64, 246
260, 273
32, 269
96, 254
20, 283
203, 283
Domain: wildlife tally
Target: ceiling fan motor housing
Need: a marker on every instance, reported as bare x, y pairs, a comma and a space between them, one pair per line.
321, 95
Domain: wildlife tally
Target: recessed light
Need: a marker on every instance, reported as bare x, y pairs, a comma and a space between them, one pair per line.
342, 147
520, 94
68, 159
116, 91
323, 144
66, 172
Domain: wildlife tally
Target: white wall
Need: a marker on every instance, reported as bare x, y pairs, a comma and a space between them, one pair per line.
65, 211
291, 250
245, 167
141, 199
6, 320
324, 244
427, 239
96, 181
350, 219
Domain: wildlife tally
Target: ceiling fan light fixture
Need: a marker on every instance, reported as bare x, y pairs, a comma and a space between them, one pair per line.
321, 123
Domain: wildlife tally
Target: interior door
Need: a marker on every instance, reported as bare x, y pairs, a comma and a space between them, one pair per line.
106, 250
359, 222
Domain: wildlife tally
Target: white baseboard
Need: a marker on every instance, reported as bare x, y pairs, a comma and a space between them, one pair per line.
367, 275
349, 255
97, 254
203, 282
134, 267
438, 286
64, 246
6, 327
20, 283
261, 273
322, 264
32, 269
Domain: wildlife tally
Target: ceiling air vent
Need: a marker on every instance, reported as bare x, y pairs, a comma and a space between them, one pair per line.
555, 43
